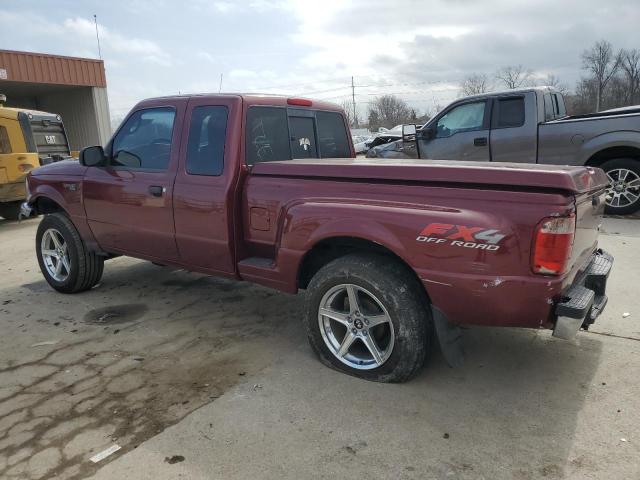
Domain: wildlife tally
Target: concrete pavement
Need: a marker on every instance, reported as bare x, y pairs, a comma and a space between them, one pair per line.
203, 378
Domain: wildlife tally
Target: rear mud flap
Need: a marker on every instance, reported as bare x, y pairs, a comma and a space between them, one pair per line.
449, 337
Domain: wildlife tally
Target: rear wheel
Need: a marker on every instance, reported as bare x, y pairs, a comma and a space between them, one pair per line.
365, 316
10, 211
64, 260
623, 193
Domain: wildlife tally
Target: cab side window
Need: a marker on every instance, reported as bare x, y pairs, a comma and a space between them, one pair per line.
267, 135
463, 118
144, 141
510, 112
332, 135
548, 108
205, 149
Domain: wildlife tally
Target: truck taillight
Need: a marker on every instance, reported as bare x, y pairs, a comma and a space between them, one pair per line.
552, 245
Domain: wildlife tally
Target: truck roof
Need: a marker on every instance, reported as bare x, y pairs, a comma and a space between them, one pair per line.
543, 89
257, 99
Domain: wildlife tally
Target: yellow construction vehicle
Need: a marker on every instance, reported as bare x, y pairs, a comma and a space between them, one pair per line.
28, 139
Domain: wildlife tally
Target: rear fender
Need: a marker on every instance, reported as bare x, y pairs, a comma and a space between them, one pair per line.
304, 225
627, 138
348, 221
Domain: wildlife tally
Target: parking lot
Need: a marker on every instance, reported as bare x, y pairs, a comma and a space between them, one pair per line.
197, 377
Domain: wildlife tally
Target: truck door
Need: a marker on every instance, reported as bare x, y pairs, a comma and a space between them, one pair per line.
129, 203
204, 192
514, 129
460, 133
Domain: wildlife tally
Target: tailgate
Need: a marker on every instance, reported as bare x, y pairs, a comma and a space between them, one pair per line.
589, 210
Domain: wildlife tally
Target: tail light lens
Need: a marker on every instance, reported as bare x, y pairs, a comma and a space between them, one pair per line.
552, 245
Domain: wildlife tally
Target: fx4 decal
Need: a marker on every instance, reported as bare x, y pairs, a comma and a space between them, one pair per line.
461, 236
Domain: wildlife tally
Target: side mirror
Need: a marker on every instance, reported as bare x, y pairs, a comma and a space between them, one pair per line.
93, 156
409, 132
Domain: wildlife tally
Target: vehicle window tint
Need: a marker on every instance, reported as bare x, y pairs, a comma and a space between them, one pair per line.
510, 112
303, 137
267, 135
463, 118
558, 106
332, 135
205, 148
548, 108
5, 145
144, 141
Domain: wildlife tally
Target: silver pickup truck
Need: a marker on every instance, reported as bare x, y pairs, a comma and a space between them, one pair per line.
531, 126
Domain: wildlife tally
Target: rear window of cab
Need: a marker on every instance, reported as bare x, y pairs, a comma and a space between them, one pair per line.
278, 133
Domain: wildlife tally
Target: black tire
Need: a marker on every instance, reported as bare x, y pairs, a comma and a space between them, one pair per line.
632, 165
397, 289
10, 211
85, 266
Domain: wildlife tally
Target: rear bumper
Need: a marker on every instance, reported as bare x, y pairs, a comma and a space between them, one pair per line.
585, 299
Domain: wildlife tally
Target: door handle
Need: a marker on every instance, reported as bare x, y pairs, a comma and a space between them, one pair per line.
157, 190
480, 141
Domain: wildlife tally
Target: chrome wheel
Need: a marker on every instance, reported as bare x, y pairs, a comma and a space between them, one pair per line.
624, 187
356, 327
55, 255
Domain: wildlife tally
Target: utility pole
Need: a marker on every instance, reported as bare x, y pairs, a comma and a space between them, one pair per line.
95, 20
353, 100
220, 87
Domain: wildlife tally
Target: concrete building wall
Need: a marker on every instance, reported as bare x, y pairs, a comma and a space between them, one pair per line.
84, 112
101, 103
74, 88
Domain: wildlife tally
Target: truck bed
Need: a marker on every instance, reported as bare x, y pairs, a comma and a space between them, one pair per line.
509, 175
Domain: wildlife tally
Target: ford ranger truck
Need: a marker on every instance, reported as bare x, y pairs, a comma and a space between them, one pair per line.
531, 125
28, 139
266, 189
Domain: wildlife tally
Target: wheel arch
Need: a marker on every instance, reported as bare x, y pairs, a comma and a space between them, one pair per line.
331, 248
611, 153
44, 205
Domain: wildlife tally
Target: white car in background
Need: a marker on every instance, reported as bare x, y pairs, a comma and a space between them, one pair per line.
360, 143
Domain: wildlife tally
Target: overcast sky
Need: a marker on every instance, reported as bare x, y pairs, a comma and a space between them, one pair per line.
419, 50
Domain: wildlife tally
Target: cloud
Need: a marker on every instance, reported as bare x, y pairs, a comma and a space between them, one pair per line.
143, 49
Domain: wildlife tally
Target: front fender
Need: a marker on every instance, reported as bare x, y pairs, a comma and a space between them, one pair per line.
66, 192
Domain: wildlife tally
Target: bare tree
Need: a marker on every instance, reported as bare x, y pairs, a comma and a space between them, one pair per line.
554, 81
374, 120
347, 106
474, 84
514, 76
630, 65
389, 110
603, 64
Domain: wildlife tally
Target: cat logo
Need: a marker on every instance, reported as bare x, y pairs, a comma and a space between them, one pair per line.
305, 143
50, 139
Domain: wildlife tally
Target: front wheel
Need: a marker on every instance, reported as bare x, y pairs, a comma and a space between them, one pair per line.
623, 193
365, 316
64, 260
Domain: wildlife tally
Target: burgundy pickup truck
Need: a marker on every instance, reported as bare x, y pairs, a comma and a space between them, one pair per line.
266, 189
